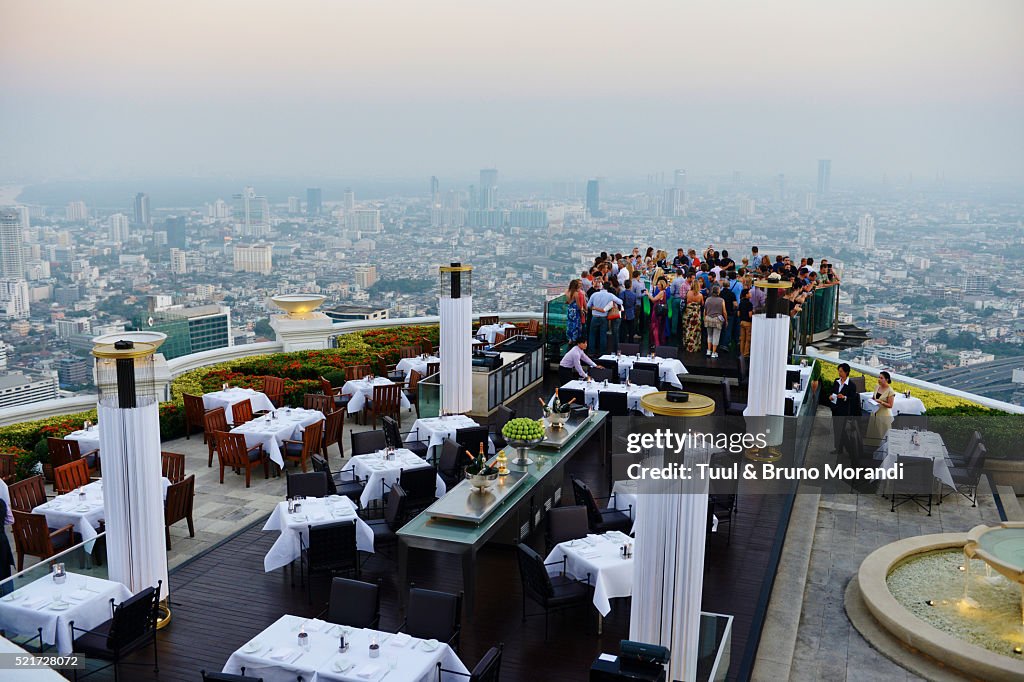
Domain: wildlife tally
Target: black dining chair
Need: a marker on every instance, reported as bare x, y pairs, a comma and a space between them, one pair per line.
448, 463
365, 442
385, 529
667, 351
642, 377
430, 614
354, 603
730, 407
471, 438
629, 348
574, 395
601, 520
331, 548
602, 374
310, 484
229, 677
342, 482
615, 403
967, 477
131, 627
504, 416
567, 523
611, 365
394, 438
420, 486
487, 669
552, 593
917, 483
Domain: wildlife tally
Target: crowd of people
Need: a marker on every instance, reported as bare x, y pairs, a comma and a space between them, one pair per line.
703, 301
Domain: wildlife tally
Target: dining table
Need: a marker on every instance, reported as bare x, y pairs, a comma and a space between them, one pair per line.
314, 511
229, 397
600, 558
592, 393
82, 509
669, 369
901, 404
275, 655
903, 443
433, 430
418, 363
361, 391
271, 430
378, 469
489, 332
88, 439
51, 606
626, 498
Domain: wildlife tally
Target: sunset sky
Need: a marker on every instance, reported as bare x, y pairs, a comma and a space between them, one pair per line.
547, 89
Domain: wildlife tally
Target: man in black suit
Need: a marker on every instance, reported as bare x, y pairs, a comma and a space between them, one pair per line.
844, 402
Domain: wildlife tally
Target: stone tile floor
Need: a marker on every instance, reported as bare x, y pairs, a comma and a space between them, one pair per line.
849, 527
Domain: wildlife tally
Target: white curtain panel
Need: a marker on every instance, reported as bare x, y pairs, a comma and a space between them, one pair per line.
133, 496
769, 341
456, 354
669, 568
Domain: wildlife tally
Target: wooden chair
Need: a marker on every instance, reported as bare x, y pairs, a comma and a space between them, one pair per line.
341, 400
513, 332
408, 352
172, 464
356, 372
273, 388
498, 338
34, 538
65, 450
232, 452
241, 412
387, 400
390, 370
533, 328
334, 425
213, 421
433, 368
427, 347
412, 391
70, 476
178, 506
318, 401
28, 493
8, 468
194, 411
301, 450
488, 320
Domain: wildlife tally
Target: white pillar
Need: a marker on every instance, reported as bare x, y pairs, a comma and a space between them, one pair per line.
133, 496
668, 579
456, 354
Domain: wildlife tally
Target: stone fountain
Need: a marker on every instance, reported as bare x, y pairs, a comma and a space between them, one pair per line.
1002, 548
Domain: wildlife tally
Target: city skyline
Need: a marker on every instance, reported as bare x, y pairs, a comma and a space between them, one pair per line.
879, 88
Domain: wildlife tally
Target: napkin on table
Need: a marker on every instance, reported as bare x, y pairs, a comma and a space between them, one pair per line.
281, 654
368, 670
35, 602
401, 639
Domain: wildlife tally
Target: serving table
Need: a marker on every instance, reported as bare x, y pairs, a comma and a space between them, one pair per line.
697, 405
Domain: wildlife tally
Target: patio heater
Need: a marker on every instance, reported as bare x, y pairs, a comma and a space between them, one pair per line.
766, 395
130, 447
456, 313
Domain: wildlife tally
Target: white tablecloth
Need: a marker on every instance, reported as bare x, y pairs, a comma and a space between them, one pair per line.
361, 390
228, 398
899, 442
600, 556
376, 470
32, 607
88, 439
407, 365
434, 430
271, 431
592, 389
275, 656
900, 405
626, 500
489, 331
315, 511
84, 514
669, 367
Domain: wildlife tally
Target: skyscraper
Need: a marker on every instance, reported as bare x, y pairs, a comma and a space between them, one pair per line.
679, 182
251, 214
594, 198
175, 227
435, 191
866, 232
824, 176
76, 210
488, 189
348, 199
117, 228
142, 214
671, 204
12, 262
314, 201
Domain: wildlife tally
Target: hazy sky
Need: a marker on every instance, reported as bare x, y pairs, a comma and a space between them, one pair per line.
541, 88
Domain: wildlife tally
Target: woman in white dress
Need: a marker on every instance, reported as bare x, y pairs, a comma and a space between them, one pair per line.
880, 422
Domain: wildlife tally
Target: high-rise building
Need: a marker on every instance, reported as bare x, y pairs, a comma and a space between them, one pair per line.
73, 372
189, 330
866, 232
294, 205
179, 265
176, 229
824, 176
348, 199
671, 202
18, 389
12, 260
256, 258
76, 211
976, 284
679, 182
251, 214
594, 198
366, 276
23, 213
117, 228
14, 299
435, 192
363, 220
141, 214
314, 201
488, 189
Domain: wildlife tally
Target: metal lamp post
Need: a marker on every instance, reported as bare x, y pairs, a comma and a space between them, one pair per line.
130, 445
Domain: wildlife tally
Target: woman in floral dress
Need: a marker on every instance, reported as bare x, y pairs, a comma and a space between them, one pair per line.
575, 312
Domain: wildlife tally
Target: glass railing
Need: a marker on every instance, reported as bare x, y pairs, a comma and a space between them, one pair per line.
556, 343
819, 314
429, 396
